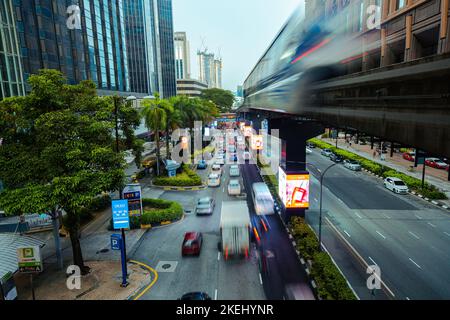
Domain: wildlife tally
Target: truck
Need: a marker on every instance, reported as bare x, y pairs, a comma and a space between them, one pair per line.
235, 228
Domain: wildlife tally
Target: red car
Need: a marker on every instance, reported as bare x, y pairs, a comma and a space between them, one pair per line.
192, 244
436, 163
410, 156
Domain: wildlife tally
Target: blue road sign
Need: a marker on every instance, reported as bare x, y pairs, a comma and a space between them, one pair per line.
116, 242
121, 218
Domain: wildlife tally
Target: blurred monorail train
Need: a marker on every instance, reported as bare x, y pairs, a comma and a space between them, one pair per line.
306, 50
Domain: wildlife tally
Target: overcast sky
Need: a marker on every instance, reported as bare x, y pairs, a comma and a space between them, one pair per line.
242, 29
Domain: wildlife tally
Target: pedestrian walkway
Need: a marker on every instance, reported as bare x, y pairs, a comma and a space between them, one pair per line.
398, 163
102, 283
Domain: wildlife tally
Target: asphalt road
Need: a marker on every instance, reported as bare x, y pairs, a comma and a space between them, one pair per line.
283, 265
224, 280
408, 238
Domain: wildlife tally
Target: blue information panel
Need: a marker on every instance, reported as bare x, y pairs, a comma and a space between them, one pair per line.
121, 219
116, 242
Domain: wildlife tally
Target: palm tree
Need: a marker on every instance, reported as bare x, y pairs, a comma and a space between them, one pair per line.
173, 121
154, 113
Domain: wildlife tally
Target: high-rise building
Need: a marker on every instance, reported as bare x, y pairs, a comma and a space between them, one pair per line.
141, 35
11, 72
182, 56
206, 65
96, 52
217, 73
190, 87
210, 69
168, 85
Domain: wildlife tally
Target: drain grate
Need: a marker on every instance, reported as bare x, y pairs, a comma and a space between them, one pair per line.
103, 251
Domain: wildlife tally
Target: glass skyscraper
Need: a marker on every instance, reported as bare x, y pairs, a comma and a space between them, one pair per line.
165, 23
11, 73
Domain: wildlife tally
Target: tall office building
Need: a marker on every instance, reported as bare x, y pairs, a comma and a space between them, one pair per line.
11, 73
206, 67
95, 52
141, 33
182, 56
217, 81
164, 22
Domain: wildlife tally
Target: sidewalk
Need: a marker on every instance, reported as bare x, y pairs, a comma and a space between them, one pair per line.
432, 176
103, 283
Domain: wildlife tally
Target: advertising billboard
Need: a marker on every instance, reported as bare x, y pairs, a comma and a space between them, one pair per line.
257, 142
293, 189
133, 194
248, 131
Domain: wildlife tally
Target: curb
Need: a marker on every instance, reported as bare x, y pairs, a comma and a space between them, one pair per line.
168, 188
139, 293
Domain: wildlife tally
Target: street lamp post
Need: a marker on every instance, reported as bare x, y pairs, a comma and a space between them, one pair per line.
322, 175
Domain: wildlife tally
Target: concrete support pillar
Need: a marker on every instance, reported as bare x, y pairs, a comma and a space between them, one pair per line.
294, 135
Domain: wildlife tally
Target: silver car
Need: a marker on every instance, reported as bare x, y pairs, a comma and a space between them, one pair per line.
234, 171
352, 165
205, 206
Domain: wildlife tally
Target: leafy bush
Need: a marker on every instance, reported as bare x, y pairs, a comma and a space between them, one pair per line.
163, 210
429, 191
187, 178
331, 284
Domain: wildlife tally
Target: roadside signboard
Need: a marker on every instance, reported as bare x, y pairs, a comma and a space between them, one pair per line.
29, 259
293, 189
133, 194
257, 142
116, 242
121, 218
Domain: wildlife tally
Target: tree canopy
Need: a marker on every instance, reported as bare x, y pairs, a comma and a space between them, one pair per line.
224, 99
58, 149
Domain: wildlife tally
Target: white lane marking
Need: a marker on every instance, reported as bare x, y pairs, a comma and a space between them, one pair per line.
386, 216
215, 295
315, 199
415, 263
446, 233
380, 234
218, 256
347, 234
356, 213
418, 217
223, 190
432, 225
373, 261
260, 279
414, 235
408, 298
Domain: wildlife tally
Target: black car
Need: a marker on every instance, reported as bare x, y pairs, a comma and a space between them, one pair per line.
195, 296
310, 145
336, 158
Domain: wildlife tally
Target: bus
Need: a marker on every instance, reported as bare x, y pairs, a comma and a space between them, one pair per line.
262, 199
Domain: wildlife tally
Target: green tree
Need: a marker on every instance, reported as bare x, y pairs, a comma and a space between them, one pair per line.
173, 122
224, 99
58, 151
155, 116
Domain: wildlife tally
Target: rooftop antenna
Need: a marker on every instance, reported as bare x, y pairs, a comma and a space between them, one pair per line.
203, 46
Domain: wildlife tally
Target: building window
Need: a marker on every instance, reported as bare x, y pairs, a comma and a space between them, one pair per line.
400, 4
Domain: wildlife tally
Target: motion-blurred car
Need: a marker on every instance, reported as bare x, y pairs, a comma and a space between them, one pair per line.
217, 169
201, 165
192, 244
310, 145
326, 152
336, 158
234, 188
352, 165
205, 206
234, 171
220, 159
247, 155
396, 185
214, 180
410, 156
436, 163
195, 296
298, 291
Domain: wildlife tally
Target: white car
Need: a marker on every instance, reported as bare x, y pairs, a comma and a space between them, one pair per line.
216, 169
396, 185
352, 165
214, 180
234, 188
326, 152
234, 171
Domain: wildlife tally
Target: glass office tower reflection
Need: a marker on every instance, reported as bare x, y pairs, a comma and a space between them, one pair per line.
11, 74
